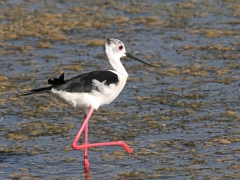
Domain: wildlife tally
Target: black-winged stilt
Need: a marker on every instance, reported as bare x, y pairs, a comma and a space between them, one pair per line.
91, 90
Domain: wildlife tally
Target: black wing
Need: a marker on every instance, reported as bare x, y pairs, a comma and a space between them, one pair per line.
80, 83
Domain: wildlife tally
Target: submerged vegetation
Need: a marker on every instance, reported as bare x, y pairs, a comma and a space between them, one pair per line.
181, 117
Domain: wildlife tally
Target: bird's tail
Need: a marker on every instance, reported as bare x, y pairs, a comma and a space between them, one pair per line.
54, 82
38, 91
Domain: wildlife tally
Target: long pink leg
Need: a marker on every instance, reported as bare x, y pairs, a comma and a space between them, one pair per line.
74, 143
86, 162
87, 145
117, 143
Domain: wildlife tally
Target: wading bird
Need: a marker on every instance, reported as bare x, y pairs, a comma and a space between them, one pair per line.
91, 90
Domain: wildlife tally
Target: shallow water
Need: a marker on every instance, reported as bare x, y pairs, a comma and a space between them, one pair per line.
181, 118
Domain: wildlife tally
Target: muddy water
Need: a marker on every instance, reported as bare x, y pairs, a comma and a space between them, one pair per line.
181, 118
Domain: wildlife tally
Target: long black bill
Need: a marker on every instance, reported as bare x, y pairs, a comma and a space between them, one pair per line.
130, 56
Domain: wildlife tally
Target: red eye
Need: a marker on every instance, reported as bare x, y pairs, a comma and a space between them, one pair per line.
120, 47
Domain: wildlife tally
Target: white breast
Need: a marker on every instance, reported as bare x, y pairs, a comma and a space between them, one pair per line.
116, 89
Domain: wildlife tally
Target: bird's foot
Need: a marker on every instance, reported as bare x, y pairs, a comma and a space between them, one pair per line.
126, 147
86, 165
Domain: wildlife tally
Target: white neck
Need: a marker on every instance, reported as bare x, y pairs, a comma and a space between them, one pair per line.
117, 65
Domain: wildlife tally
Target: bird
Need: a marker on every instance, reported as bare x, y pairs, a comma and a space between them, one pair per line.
92, 90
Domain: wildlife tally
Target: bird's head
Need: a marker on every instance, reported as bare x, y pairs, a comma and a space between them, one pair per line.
115, 49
